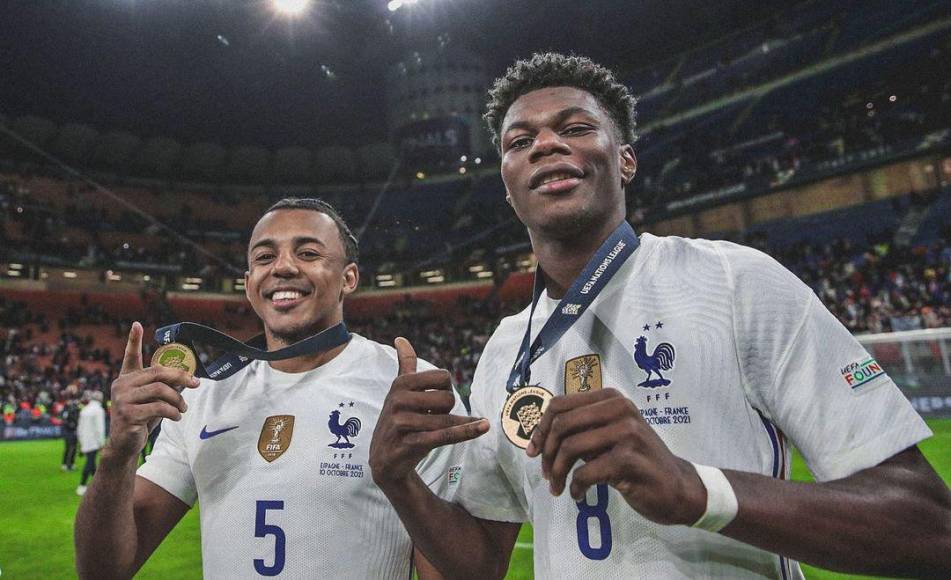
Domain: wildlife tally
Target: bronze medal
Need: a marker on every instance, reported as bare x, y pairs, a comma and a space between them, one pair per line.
177, 356
522, 412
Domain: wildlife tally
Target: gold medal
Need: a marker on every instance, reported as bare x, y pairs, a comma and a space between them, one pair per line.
522, 412
177, 356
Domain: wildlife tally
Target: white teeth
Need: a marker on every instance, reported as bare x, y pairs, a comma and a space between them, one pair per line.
556, 177
286, 295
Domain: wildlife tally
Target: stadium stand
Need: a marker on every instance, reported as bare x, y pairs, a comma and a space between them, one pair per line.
824, 91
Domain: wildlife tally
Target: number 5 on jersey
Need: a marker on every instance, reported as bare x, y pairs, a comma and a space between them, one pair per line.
263, 529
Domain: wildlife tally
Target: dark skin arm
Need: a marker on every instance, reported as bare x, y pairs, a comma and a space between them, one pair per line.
415, 420
890, 519
123, 517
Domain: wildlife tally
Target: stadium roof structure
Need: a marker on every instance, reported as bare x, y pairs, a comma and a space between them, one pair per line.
234, 72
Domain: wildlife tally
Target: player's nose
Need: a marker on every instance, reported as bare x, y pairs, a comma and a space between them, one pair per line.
285, 265
548, 142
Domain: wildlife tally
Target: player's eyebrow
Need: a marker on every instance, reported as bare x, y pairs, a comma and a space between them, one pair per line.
297, 241
558, 118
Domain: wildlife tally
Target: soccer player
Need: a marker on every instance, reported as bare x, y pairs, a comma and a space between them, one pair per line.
277, 453
680, 386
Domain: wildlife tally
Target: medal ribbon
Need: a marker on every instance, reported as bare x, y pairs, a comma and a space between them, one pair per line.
239, 354
596, 274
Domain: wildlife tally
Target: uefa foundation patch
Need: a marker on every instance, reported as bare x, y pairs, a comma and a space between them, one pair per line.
862, 372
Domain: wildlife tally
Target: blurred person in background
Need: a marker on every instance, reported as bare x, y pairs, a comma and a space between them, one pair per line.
91, 432
70, 417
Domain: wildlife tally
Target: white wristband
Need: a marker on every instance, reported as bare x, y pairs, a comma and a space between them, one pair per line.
721, 499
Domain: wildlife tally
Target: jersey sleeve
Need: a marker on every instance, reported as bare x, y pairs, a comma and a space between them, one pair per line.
168, 467
485, 490
806, 373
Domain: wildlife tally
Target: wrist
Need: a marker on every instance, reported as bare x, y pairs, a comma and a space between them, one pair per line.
113, 458
399, 486
721, 505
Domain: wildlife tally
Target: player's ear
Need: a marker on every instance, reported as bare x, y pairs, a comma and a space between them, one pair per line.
628, 164
247, 293
351, 279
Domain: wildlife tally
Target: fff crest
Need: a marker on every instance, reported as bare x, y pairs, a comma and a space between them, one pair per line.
275, 436
583, 374
655, 362
343, 430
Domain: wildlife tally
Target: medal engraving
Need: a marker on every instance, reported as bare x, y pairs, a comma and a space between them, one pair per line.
522, 412
177, 356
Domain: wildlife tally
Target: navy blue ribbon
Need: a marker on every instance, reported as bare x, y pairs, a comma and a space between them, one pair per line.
596, 274
239, 354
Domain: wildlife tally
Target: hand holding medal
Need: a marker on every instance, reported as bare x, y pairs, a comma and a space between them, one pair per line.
141, 397
603, 428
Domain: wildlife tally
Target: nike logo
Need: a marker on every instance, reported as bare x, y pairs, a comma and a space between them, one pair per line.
206, 434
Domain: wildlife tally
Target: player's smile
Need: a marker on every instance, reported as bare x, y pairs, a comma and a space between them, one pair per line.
557, 178
285, 298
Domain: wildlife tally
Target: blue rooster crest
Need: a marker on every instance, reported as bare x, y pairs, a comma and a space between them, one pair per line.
662, 359
350, 428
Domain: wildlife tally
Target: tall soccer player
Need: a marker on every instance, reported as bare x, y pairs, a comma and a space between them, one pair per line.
640, 413
277, 453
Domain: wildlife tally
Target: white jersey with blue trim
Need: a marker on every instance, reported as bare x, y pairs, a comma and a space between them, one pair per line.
731, 359
278, 464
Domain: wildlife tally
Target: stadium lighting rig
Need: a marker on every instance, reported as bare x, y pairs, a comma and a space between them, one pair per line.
290, 7
394, 5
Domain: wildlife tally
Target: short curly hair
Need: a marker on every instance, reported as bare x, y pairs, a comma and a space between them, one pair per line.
551, 69
350, 243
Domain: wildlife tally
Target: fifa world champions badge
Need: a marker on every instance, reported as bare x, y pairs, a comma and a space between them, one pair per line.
583, 374
177, 356
522, 412
275, 436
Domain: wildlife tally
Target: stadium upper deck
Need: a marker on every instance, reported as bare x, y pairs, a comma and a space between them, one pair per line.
759, 129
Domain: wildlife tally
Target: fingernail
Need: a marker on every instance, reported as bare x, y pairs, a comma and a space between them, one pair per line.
195, 381
530, 449
184, 406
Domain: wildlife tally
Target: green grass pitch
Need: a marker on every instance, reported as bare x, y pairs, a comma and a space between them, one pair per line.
38, 503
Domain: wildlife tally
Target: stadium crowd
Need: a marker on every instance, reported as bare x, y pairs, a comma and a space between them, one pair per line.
877, 287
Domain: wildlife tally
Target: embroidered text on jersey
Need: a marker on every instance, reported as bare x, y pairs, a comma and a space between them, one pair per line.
859, 373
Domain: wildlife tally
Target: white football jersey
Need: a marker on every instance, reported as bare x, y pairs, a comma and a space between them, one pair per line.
278, 462
731, 359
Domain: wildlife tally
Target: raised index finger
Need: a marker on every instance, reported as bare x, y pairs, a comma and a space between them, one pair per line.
132, 359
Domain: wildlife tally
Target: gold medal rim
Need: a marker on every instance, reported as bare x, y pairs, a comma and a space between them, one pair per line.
514, 398
190, 360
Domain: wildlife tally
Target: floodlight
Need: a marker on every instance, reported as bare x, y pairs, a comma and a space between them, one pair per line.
291, 7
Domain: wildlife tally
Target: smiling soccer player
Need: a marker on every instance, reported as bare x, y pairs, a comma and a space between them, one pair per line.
276, 453
661, 383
